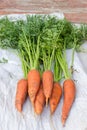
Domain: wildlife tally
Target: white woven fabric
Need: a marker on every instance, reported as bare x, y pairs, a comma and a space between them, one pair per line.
10, 119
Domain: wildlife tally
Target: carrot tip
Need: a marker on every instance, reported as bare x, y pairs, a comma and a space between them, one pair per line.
52, 110
19, 108
22, 114
51, 113
46, 102
35, 114
33, 105
63, 123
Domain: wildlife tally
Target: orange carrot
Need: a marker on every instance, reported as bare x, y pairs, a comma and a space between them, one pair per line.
33, 84
69, 96
47, 80
21, 93
55, 97
39, 101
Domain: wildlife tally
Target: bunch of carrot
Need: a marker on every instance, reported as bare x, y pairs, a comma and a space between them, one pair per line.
41, 42
44, 63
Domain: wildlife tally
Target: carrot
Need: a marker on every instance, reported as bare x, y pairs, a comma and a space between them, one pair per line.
69, 89
55, 97
69, 96
47, 56
39, 101
33, 84
21, 94
47, 80
57, 89
30, 50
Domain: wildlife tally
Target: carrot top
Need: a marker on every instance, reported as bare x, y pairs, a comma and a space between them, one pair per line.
37, 38
29, 53
29, 43
47, 42
61, 56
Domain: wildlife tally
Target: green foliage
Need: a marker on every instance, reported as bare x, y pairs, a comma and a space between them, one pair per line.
42, 40
9, 33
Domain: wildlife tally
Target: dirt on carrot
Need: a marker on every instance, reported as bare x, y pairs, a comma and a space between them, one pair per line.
69, 96
33, 84
39, 101
47, 80
21, 94
55, 97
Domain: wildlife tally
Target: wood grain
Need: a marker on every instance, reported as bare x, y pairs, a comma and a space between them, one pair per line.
74, 10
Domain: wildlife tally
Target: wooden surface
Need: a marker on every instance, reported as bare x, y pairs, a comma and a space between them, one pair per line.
74, 10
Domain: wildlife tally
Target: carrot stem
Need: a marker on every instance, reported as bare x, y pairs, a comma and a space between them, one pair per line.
29, 52
72, 61
48, 59
64, 65
28, 44
57, 70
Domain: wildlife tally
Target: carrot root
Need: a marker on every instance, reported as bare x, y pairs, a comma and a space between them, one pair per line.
21, 93
69, 96
55, 97
39, 101
33, 84
47, 80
